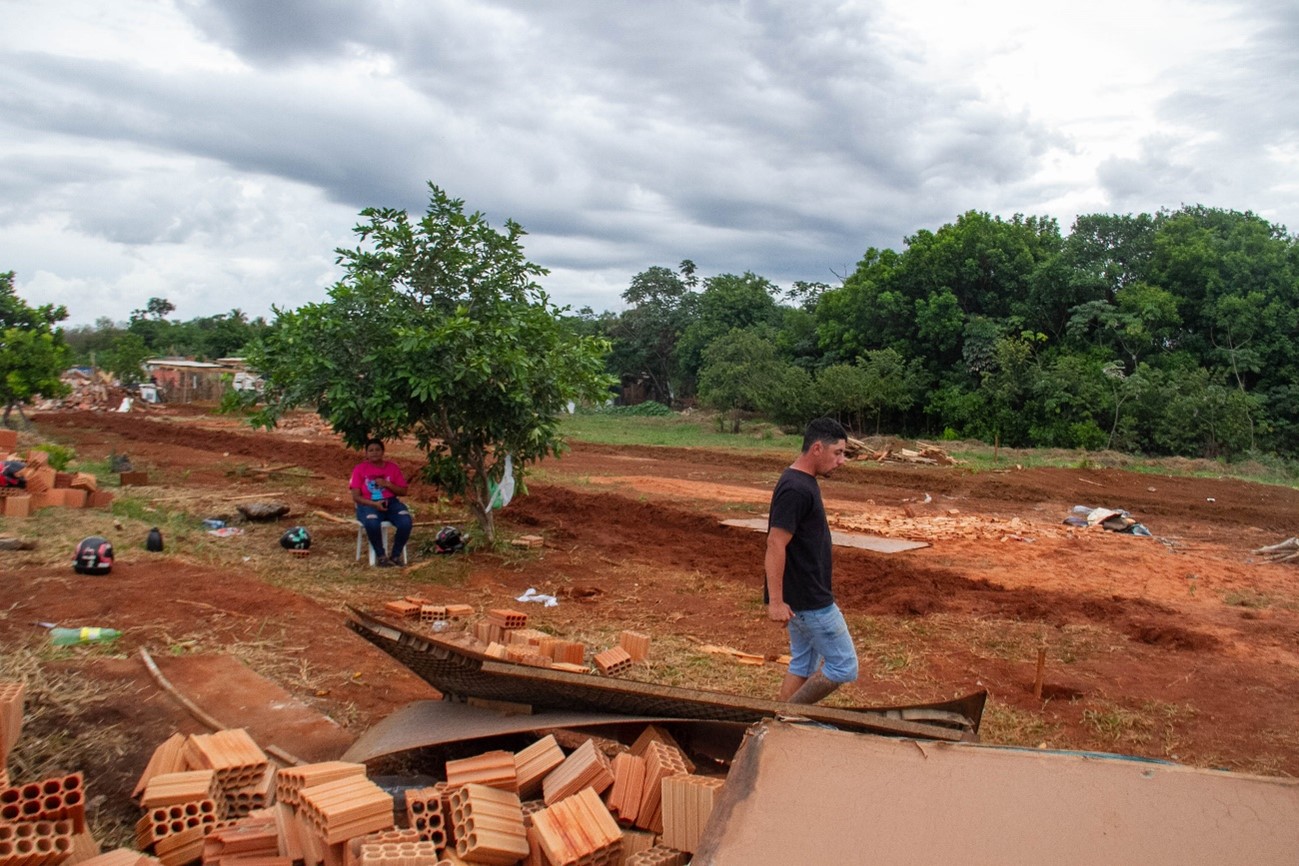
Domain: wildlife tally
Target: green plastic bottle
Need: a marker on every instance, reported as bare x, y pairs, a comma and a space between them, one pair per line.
69, 636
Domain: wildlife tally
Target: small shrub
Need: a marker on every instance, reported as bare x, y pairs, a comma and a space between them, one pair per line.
60, 455
649, 408
236, 402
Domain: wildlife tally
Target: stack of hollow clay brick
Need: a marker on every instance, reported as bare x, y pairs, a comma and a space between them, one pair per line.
395, 848
253, 840
175, 833
193, 782
504, 634
11, 724
243, 772
57, 799
571, 824
45, 488
331, 814
636, 644
453, 617
488, 825
35, 843
496, 626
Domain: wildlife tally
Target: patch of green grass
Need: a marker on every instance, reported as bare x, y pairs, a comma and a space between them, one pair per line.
697, 430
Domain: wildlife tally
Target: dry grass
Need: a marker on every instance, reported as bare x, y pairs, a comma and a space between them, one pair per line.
55, 741
1006, 725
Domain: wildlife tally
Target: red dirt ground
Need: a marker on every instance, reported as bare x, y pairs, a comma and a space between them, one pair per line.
1181, 646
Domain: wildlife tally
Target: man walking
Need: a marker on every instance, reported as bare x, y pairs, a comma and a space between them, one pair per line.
798, 570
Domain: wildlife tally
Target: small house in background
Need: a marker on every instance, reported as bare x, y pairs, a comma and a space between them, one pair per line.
243, 380
633, 390
178, 380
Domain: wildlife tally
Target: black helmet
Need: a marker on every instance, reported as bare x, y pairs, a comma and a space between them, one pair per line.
94, 556
449, 540
296, 538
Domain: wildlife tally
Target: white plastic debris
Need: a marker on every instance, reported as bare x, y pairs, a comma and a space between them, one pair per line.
533, 595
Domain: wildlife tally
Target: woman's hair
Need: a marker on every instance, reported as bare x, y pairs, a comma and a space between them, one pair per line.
373, 441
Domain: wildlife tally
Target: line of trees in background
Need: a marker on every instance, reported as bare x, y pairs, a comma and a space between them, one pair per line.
122, 348
1172, 333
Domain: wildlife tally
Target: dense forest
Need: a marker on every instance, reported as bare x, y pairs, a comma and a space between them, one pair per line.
1171, 333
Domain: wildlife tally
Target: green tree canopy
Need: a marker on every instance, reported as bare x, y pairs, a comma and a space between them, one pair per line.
32, 351
646, 334
740, 373
727, 302
438, 330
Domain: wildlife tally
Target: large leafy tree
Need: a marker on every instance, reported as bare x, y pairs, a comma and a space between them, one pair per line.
32, 351
646, 334
125, 358
727, 302
741, 373
438, 330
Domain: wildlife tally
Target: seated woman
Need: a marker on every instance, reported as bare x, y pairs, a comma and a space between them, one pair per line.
376, 483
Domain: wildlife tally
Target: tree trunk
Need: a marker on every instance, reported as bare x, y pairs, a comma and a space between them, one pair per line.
479, 496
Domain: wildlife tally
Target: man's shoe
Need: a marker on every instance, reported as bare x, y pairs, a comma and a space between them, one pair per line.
385, 562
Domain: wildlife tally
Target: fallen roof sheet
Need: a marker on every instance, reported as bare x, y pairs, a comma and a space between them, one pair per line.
843, 539
459, 670
801, 794
437, 723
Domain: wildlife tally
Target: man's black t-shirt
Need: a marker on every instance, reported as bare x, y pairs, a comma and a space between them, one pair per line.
796, 508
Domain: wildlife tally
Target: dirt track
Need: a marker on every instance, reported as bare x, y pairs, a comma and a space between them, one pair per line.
1180, 646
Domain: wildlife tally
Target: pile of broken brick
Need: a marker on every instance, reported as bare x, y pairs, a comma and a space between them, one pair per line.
219, 800
503, 634
96, 391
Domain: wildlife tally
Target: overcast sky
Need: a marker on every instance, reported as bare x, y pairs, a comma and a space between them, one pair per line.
216, 152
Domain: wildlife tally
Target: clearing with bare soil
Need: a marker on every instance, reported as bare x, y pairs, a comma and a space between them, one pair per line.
1181, 646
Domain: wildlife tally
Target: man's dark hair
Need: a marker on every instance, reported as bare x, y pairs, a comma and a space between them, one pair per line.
825, 430
373, 441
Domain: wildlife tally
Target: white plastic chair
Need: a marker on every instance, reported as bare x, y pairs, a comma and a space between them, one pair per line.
362, 540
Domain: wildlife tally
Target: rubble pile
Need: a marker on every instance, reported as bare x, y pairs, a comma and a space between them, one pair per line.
950, 526
94, 391
923, 454
503, 634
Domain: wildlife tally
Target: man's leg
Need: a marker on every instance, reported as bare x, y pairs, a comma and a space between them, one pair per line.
802, 657
789, 685
813, 689
828, 632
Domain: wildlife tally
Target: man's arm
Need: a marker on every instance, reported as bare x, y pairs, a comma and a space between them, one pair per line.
777, 540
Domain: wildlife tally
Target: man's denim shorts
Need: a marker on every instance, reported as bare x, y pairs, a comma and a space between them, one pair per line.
816, 635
